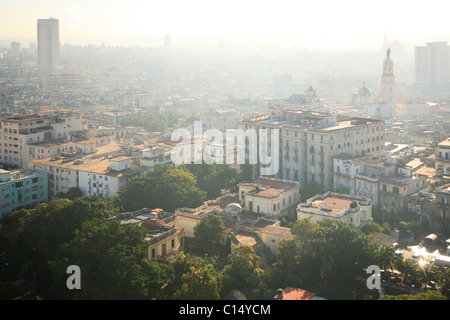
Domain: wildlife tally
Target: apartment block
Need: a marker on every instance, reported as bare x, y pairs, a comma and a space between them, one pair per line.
18, 190
64, 170
309, 141
49, 125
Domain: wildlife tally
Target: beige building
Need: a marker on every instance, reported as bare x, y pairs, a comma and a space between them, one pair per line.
442, 159
400, 186
307, 152
270, 196
309, 141
64, 170
220, 119
349, 209
106, 177
49, 125
272, 235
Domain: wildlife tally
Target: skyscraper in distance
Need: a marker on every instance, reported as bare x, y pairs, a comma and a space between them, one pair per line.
432, 64
48, 45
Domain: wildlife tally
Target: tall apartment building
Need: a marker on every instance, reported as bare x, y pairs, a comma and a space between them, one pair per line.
48, 45
21, 191
16, 132
432, 64
309, 141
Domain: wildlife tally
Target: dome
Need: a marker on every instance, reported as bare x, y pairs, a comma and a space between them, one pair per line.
233, 207
153, 224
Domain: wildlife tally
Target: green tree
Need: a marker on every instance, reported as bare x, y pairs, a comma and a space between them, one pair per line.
166, 187
209, 228
199, 284
429, 295
243, 272
407, 269
385, 257
310, 190
111, 257
71, 194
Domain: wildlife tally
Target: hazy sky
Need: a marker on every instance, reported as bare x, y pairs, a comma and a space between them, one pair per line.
314, 23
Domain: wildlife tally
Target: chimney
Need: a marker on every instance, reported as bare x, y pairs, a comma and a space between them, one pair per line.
280, 294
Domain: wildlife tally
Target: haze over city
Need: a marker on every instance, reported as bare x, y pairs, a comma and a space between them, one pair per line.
323, 24
233, 150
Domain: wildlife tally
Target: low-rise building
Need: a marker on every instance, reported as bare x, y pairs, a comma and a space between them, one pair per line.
270, 196
272, 235
163, 241
105, 178
349, 209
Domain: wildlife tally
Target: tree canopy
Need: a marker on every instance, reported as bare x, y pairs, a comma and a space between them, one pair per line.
166, 187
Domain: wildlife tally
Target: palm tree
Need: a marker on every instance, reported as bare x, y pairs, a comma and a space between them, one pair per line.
426, 274
385, 256
407, 268
326, 259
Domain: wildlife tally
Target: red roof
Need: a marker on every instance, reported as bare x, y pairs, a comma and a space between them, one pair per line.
153, 224
290, 293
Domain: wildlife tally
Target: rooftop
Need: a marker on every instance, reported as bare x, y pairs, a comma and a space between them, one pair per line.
265, 187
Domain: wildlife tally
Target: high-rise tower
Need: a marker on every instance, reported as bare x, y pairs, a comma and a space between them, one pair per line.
48, 45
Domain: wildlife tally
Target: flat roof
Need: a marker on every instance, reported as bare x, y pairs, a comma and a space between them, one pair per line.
269, 187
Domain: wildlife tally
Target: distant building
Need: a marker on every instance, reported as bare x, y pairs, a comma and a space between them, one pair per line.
220, 119
48, 45
385, 106
432, 64
282, 85
21, 191
352, 210
16, 48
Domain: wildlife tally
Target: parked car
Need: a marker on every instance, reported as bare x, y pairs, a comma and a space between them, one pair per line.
398, 254
416, 257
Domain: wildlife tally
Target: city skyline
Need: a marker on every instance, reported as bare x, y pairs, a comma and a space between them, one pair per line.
321, 24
